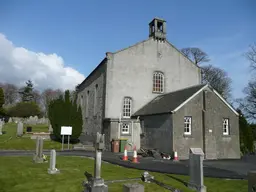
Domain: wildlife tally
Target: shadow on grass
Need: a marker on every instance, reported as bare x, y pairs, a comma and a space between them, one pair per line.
179, 180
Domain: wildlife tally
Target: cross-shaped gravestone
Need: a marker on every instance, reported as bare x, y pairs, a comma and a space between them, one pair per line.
97, 183
196, 173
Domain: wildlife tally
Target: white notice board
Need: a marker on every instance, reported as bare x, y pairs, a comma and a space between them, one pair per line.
66, 130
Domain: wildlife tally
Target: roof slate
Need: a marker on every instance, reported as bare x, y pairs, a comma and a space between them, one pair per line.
166, 103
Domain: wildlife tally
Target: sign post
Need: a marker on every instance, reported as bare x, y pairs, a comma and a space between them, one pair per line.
65, 130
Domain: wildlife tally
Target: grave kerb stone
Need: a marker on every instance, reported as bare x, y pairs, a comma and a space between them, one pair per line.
133, 187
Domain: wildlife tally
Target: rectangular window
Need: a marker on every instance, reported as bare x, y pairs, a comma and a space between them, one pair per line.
125, 128
95, 99
87, 104
187, 125
127, 106
225, 126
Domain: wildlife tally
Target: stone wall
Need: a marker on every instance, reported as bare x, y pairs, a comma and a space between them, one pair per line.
31, 120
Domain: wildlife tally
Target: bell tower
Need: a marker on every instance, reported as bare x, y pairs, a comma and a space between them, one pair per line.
157, 29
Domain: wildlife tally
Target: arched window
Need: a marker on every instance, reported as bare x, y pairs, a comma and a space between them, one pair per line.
127, 107
158, 82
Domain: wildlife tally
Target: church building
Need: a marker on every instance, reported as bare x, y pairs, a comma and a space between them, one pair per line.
152, 95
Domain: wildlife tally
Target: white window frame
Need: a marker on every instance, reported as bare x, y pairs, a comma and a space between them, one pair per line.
127, 106
158, 76
225, 126
187, 125
125, 128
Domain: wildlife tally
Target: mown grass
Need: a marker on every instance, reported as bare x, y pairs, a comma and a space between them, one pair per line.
21, 174
9, 140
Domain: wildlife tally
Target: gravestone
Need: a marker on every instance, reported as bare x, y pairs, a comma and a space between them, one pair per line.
52, 169
252, 181
133, 187
50, 129
96, 184
10, 120
19, 129
196, 157
38, 157
1, 127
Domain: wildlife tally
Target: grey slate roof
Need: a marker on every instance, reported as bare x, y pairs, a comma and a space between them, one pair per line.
168, 102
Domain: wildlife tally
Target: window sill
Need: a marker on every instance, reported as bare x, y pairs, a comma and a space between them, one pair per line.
187, 135
226, 135
156, 92
125, 134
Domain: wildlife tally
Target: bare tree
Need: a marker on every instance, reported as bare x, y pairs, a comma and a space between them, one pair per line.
10, 93
251, 55
196, 55
248, 104
48, 95
37, 96
218, 79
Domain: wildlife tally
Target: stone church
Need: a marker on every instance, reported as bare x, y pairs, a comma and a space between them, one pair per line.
151, 94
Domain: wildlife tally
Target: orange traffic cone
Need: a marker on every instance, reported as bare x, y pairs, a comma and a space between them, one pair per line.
125, 157
176, 156
135, 158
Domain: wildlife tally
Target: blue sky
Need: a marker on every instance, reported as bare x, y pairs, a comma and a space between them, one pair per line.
81, 31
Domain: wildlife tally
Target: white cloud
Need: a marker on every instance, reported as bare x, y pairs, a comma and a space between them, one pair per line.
18, 64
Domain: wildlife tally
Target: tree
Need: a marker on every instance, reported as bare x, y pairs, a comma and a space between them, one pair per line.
2, 101
47, 96
251, 55
248, 103
215, 76
246, 134
196, 55
10, 93
2, 111
24, 109
218, 79
27, 92
64, 112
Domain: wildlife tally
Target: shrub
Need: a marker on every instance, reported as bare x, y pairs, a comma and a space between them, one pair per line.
1, 97
63, 112
24, 109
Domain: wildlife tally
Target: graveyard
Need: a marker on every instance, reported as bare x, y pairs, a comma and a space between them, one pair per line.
9, 139
36, 171
22, 174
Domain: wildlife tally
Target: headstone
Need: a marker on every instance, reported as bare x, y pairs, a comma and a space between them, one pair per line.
1, 127
252, 181
50, 129
38, 157
196, 157
52, 169
19, 129
10, 120
96, 184
133, 187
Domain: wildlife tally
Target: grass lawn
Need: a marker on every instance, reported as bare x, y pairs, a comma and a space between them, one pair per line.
21, 174
10, 141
